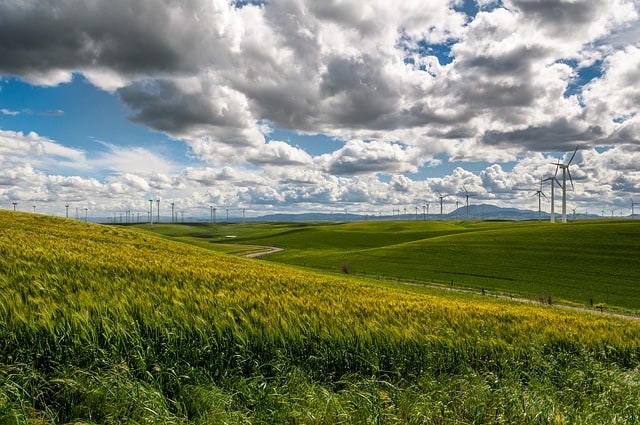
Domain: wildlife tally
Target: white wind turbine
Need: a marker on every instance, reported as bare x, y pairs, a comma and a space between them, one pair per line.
466, 196
553, 180
565, 172
540, 194
632, 208
441, 196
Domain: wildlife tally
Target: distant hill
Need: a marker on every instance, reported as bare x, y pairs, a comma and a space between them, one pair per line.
476, 212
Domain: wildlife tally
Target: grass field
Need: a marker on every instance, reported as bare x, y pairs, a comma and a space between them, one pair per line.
103, 324
586, 263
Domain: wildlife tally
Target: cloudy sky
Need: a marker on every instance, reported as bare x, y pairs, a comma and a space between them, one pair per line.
301, 105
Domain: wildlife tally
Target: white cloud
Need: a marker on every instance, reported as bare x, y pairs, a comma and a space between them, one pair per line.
278, 153
360, 157
214, 75
134, 160
17, 147
5, 111
616, 96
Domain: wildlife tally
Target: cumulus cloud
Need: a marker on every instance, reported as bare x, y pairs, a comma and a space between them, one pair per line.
360, 157
17, 147
215, 69
399, 83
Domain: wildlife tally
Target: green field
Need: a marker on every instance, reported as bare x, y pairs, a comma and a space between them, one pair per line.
586, 263
109, 325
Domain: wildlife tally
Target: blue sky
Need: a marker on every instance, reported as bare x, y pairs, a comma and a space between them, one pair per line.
81, 116
295, 106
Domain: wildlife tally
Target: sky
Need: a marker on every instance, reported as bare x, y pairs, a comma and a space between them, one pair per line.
284, 106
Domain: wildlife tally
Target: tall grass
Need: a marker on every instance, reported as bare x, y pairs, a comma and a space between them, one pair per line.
106, 325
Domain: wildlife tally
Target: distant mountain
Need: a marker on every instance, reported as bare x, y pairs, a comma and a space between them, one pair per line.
476, 212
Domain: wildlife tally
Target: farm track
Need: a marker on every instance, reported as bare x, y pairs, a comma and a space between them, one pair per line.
266, 250
524, 300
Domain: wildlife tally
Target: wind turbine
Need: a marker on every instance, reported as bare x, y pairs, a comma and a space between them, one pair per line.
565, 172
553, 180
441, 196
540, 194
466, 196
632, 208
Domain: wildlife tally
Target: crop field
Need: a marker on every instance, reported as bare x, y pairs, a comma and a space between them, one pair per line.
588, 263
105, 324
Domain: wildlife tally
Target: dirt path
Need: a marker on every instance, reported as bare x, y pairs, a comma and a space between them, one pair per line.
267, 250
523, 300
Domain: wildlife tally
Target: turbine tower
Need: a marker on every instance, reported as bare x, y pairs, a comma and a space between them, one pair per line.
632, 208
565, 172
441, 196
553, 180
466, 196
540, 194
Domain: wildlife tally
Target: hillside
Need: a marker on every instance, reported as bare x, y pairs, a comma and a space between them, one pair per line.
101, 324
586, 262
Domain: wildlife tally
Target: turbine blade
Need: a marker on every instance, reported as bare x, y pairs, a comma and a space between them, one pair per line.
572, 156
542, 193
570, 179
556, 173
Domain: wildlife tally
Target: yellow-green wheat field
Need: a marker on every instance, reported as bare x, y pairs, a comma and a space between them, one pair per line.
84, 296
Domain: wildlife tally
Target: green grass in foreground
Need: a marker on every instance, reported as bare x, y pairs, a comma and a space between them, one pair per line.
101, 324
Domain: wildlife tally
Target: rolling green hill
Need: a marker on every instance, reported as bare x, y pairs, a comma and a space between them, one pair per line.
103, 324
586, 263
